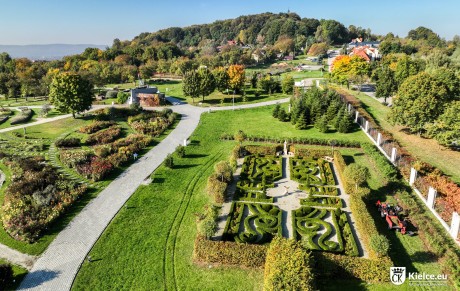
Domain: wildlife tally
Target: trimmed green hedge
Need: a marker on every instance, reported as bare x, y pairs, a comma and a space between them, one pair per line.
335, 266
229, 253
25, 116
384, 166
295, 140
364, 221
288, 266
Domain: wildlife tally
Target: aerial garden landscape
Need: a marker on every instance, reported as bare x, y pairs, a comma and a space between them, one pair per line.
234, 156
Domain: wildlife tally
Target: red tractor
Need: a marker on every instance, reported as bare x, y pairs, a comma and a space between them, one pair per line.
391, 214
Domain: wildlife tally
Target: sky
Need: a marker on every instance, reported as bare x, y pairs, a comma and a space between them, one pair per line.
100, 21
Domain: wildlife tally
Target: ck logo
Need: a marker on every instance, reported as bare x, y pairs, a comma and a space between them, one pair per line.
397, 275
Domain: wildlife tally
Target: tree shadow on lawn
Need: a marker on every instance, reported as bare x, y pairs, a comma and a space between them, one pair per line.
185, 166
196, 156
41, 276
398, 252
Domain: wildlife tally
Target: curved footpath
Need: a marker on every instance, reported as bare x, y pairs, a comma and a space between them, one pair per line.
58, 265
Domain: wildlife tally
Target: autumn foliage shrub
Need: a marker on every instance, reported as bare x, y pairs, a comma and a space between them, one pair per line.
288, 266
67, 142
96, 126
36, 196
104, 136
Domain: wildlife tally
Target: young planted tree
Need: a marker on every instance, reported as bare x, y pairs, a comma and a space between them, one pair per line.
356, 174
385, 84
321, 123
70, 92
222, 79
207, 82
276, 110
345, 123
240, 136
191, 84
287, 85
236, 76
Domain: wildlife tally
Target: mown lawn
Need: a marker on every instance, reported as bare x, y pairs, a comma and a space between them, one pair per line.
149, 244
427, 150
50, 132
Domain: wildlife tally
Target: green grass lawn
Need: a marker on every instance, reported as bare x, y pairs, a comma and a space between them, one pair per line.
149, 244
427, 150
50, 132
21, 101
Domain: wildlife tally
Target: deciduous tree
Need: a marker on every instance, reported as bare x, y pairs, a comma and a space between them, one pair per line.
70, 92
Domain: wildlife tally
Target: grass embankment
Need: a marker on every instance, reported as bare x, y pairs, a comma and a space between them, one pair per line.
49, 132
427, 150
149, 244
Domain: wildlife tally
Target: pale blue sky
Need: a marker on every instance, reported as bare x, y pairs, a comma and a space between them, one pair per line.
100, 21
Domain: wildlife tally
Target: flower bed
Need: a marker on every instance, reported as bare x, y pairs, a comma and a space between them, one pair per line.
36, 197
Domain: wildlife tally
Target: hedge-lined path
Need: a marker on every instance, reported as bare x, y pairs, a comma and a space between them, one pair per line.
225, 210
58, 265
18, 258
347, 210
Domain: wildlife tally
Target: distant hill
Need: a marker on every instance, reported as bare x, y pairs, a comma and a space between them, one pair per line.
46, 51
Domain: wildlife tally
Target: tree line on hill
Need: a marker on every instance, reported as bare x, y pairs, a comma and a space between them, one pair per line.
246, 40
421, 72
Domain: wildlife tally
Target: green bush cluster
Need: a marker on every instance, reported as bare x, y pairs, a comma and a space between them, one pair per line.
309, 152
335, 266
288, 266
104, 136
384, 166
219, 180
295, 140
263, 150
96, 126
207, 221
152, 123
380, 244
227, 253
67, 142
23, 117
351, 248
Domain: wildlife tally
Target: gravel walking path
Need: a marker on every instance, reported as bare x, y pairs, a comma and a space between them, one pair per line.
58, 265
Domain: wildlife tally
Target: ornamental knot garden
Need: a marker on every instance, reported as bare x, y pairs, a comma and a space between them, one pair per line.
297, 197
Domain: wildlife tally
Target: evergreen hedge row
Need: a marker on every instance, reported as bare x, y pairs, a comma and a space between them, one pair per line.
228, 253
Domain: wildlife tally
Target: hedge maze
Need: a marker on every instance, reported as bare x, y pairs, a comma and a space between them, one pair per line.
259, 172
319, 223
253, 222
311, 171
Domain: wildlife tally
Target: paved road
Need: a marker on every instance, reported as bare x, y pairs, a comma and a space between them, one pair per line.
58, 265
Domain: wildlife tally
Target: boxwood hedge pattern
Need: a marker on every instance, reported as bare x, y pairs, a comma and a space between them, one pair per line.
311, 171
259, 172
310, 224
253, 222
